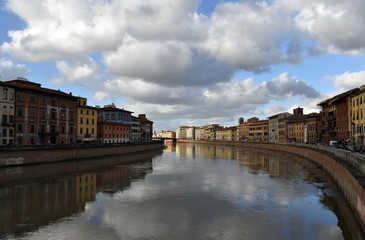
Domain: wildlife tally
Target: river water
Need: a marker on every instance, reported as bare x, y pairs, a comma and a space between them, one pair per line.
185, 192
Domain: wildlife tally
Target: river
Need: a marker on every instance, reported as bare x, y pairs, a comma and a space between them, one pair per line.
188, 191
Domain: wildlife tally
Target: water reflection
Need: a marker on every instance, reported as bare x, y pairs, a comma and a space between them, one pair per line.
188, 192
28, 200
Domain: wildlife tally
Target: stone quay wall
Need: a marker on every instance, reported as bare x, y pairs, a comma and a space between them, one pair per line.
47, 154
346, 168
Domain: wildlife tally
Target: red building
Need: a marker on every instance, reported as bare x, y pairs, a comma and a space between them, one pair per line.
42, 115
313, 124
112, 132
335, 117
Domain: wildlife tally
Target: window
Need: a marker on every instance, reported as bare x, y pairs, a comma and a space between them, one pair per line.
43, 99
92, 113
92, 131
5, 132
63, 129
11, 119
53, 114
63, 103
92, 121
72, 104
87, 112
81, 111
5, 95
11, 96
53, 101
20, 96
87, 121
71, 129
63, 115
20, 111
5, 118
32, 98
20, 127
11, 132
80, 130
81, 120
32, 112
71, 116
32, 128
43, 113
42, 128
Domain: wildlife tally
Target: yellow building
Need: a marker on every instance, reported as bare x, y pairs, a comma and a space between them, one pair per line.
357, 116
226, 134
85, 188
259, 131
86, 121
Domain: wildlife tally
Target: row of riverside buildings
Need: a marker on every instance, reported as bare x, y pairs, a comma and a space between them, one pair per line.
342, 119
33, 115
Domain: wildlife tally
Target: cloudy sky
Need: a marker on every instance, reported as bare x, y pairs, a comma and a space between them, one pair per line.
188, 62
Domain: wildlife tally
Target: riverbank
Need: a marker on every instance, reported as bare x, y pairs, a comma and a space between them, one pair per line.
346, 168
56, 153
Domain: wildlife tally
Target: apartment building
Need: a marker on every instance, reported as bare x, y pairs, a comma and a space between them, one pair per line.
181, 132
244, 128
136, 129
112, 132
357, 116
336, 115
86, 121
146, 127
7, 108
110, 113
42, 115
226, 134
274, 126
259, 131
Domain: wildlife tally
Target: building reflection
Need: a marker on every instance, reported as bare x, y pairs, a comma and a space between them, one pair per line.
25, 206
205, 151
276, 164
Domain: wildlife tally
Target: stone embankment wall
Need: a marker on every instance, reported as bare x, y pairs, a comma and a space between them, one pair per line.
21, 156
346, 168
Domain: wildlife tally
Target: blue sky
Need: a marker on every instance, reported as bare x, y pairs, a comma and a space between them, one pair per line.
188, 62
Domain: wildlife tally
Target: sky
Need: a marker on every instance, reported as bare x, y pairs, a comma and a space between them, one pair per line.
188, 62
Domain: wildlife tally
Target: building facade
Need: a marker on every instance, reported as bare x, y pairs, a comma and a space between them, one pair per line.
112, 132
136, 129
86, 121
146, 128
313, 124
274, 126
357, 116
226, 134
110, 113
7, 108
42, 116
259, 131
